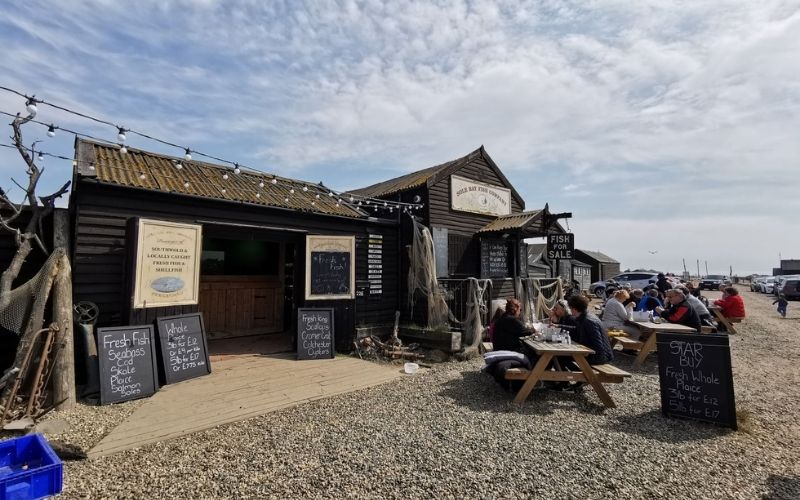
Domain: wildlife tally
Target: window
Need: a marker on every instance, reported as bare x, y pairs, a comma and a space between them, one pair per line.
463, 255
239, 258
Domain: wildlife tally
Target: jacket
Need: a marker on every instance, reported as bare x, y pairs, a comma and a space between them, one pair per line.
615, 314
590, 332
682, 314
507, 332
731, 306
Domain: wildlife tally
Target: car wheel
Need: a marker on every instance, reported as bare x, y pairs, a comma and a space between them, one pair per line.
600, 292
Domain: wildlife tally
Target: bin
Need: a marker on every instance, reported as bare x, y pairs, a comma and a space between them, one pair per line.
29, 469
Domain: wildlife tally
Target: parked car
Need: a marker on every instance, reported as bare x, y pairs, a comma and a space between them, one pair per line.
713, 281
635, 279
756, 282
766, 285
791, 289
777, 287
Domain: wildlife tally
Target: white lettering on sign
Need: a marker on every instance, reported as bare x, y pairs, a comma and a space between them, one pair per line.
468, 195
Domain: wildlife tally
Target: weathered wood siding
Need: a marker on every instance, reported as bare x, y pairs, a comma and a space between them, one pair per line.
100, 249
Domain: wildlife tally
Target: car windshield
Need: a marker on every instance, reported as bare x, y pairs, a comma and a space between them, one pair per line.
715, 277
770, 280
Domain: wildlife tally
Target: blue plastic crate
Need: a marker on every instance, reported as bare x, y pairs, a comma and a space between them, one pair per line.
29, 469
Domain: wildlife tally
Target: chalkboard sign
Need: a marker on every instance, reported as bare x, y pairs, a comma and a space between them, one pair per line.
695, 375
182, 347
494, 258
315, 333
330, 273
127, 358
440, 244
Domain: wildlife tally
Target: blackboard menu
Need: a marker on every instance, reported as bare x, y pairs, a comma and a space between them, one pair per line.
494, 258
315, 333
330, 273
375, 263
183, 347
127, 358
695, 376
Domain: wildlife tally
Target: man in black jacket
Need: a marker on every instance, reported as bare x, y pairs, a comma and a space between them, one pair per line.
589, 332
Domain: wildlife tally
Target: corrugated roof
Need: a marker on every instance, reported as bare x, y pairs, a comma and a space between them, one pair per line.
204, 179
412, 180
599, 257
511, 221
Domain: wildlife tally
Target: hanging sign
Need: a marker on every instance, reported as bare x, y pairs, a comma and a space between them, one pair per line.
330, 267
167, 264
467, 195
560, 246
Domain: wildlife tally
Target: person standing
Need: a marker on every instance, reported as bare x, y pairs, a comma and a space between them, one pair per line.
782, 305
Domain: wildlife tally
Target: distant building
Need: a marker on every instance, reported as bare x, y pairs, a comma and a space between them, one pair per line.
789, 266
603, 267
540, 267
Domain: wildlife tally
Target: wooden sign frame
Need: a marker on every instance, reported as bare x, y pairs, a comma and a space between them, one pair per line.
321, 243
146, 261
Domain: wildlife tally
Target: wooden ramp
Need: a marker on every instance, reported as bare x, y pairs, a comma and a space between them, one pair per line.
238, 389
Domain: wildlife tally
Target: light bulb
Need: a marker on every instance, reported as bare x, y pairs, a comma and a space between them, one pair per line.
305, 188
30, 106
313, 203
236, 169
274, 180
179, 165
317, 196
40, 157
359, 203
51, 131
261, 184
188, 155
330, 194
286, 200
291, 191
123, 149
142, 176
225, 176
186, 184
351, 199
337, 204
338, 201
384, 203
258, 195
224, 190
121, 134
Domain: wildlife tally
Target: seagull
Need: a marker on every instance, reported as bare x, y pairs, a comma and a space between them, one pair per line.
651, 252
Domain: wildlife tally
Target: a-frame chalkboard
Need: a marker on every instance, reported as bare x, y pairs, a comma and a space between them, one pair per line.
127, 359
182, 347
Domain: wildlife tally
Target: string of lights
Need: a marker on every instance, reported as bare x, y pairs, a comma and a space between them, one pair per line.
358, 202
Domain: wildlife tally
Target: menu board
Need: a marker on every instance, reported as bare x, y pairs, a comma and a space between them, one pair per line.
494, 258
375, 263
330, 267
183, 347
127, 358
315, 333
695, 376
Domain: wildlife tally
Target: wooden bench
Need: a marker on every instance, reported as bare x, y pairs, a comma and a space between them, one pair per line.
627, 343
608, 374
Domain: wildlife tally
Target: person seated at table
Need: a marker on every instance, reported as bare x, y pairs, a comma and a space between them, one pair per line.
589, 332
561, 318
650, 301
509, 329
697, 305
633, 297
616, 314
731, 304
679, 311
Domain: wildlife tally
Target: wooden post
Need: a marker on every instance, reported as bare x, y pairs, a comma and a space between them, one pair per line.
64, 367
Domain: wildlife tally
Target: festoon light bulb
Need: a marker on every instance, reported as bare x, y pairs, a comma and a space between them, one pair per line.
51, 131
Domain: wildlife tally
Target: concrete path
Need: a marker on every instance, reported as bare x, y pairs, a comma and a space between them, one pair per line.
240, 388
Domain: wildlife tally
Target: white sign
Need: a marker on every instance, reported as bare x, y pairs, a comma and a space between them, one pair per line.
467, 195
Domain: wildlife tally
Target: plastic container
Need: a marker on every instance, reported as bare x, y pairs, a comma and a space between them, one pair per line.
29, 469
410, 368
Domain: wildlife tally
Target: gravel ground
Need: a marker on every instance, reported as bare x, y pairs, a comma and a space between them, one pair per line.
451, 432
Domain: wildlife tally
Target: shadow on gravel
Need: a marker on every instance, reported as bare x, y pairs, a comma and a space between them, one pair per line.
654, 425
479, 392
782, 487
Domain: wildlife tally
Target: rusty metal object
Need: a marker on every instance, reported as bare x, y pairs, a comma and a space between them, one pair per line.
44, 368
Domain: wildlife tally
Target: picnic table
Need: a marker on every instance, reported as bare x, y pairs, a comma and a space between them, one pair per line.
649, 345
594, 375
721, 318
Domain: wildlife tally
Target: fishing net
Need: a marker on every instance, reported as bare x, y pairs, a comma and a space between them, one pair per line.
14, 316
538, 296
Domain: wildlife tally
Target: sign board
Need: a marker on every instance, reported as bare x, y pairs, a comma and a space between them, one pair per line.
494, 258
522, 264
315, 333
127, 359
467, 195
330, 267
375, 263
183, 347
560, 246
167, 264
440, 249
694, 371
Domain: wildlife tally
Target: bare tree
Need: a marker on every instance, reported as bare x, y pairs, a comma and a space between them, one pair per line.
38, 208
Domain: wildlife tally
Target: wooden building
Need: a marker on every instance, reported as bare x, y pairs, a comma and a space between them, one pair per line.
477, 220
252, 276
603, 266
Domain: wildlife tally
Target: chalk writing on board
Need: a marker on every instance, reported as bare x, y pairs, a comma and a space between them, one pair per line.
494, 259
123, 351
315, 333
183, 347
330, 273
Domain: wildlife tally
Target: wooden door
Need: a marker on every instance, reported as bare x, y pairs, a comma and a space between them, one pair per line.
235, 306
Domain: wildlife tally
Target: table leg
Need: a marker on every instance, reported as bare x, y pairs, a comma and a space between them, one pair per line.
648, 347
530, 382
722, 319
588, 372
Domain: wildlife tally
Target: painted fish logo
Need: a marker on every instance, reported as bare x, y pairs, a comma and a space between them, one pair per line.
167, 284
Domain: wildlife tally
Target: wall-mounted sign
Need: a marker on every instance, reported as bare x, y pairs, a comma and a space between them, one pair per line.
467, 195
375, 263
560, 246
494, 258
167, 265
330, 267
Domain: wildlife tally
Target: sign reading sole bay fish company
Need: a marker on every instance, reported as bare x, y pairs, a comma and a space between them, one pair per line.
470, 196
167, 264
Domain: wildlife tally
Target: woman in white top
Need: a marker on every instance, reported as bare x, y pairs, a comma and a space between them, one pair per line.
615, 314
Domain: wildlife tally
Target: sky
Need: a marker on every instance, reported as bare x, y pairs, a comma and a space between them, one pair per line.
671, 130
